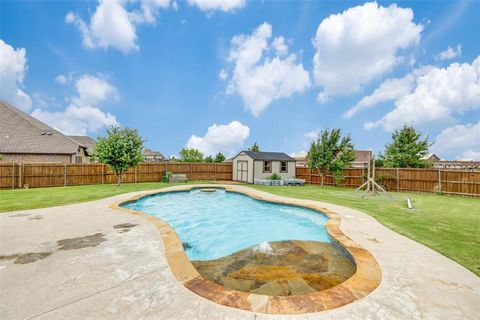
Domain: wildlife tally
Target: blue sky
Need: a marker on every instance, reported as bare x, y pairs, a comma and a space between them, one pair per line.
219, 76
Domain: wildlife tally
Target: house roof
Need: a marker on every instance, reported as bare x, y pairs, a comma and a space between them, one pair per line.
22, 133
268, 156
363, 156
84, 141
149, 152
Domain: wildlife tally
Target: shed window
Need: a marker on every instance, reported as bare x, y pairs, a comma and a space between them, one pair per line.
78, 159
283, 166
267, 166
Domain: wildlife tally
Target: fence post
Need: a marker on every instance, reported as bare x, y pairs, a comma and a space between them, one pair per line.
13, 175
215, 167
103, 173
439, 181
21, 177
135, 177
65, 175
398, 180
191, 171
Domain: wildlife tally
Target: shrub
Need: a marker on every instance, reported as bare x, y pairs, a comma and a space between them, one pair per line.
166, 176
275, 176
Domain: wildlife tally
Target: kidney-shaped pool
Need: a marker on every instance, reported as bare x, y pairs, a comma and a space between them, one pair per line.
212, 225
251, 245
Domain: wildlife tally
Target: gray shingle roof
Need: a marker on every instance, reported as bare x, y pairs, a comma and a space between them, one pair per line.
85, 141
268, 156
21, 133
150, 152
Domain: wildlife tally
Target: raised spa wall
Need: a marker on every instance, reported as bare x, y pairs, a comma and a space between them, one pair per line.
365, 278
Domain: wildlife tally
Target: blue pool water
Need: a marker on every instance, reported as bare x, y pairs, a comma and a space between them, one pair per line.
216, 224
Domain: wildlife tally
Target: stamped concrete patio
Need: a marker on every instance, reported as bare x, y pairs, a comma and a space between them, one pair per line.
87, 261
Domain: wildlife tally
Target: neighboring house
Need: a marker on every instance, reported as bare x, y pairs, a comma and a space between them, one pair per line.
153, 156
301, 159
457, 164
228, 160
87, 142
431, 157
362, 159
250, 165
26, 139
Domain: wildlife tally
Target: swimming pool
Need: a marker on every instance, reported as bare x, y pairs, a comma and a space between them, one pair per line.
270, 276
216, 224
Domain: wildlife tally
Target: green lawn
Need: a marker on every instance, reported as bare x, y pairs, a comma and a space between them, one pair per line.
447, 224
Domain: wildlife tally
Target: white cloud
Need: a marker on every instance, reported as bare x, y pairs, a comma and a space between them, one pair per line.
83, 114
76, 120
223, 75
460, 141
470, 155
13, 67
260, 78
299, 154
221, 5
111, 25
439, 94
228, 139
62, 79
149, 11
92, 89
361, 44
313, 134
390, 89
449, 53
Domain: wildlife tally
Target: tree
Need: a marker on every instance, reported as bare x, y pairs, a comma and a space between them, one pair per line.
255, 147
219, 157
191, 155
406, 149
331, 153
209, 159
121, 149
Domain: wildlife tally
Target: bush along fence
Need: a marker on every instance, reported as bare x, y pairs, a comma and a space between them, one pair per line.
33, 175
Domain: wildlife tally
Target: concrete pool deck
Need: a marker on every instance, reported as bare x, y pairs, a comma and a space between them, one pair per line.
88, 261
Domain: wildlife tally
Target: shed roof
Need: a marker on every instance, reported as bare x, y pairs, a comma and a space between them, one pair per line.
22, 133
268, 156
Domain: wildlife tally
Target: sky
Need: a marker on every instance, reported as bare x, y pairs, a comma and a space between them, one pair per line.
221, 75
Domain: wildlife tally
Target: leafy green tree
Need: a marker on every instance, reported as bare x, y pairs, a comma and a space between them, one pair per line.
331, 153
406, 150
191, 155
220, 157
209, 159
121, 149
255, 147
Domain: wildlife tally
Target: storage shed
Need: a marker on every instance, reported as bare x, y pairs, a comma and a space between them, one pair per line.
250, 165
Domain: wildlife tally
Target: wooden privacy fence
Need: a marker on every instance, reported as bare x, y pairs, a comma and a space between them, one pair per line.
405, 179
35, 175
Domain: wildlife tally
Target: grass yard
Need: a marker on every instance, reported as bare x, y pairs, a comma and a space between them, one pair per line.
447, 224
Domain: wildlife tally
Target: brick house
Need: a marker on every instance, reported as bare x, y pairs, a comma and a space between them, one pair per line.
26, 139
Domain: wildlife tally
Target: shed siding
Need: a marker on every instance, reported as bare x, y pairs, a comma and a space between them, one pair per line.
259, 174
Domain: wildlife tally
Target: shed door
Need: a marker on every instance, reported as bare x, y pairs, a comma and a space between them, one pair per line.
242, 170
